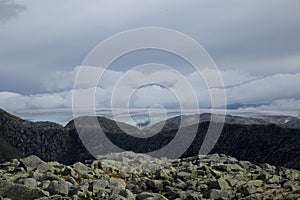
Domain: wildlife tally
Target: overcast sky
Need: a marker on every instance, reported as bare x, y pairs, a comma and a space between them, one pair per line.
255, 44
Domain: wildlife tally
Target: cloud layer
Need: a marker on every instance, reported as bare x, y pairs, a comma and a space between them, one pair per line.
254, 43
280, 91
257, 37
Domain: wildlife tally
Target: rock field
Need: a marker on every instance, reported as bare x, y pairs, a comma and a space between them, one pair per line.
137, 176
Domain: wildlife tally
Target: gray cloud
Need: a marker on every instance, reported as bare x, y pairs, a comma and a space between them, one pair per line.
9, 9
255, 38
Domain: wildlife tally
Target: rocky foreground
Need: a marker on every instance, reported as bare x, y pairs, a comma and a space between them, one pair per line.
138, 176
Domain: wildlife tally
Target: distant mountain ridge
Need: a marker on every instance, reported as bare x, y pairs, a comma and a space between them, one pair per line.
273, 139
280, 120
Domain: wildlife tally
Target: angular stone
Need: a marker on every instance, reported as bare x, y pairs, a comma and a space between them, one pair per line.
184, 175
252, 186
274, 179
153, 196
31, 162
48, 176
178, 184
267, 166
98, 172
68, 171
170, 192
220, 184
30, 182
199, 173
75, 197
82, 190
291, 174
216, 173
45, 184
99, 185
117, 183
42, 198
245, 164
263, 176
293, 196
234, 168
202, 187
204, 167
58, 187
214, 194
231, 160
56, 197
256, 183
249, 189
163, 173
37, 176
127, 194
117, 197
195, 196
124, 174
45, 167
72, 180
154, 184
18, 191
291, 186
80, 167
102, 194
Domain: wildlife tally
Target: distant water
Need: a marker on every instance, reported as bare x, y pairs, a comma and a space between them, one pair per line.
63, 116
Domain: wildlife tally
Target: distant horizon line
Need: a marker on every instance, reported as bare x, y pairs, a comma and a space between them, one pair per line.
239, 111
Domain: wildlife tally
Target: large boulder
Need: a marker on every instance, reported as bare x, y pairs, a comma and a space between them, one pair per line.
18, 191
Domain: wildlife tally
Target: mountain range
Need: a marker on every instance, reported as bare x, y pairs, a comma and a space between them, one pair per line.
266, 139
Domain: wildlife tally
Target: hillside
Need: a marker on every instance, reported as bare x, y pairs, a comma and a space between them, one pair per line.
50, 141
254, 140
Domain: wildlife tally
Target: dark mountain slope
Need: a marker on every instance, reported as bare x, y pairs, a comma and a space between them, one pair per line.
50, 141
256, 142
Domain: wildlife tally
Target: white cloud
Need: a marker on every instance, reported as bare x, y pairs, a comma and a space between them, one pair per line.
282, 104
13, 101
153, 94
240, 88
279, 86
